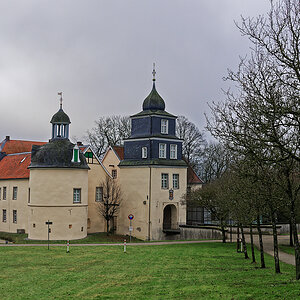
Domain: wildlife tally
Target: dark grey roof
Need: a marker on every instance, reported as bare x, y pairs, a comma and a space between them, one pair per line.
161, 136
60, 118
155, 162
153, 112
58, 153
154, 101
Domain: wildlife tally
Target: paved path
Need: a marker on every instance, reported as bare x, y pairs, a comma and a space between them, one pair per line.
113, 244
268, 246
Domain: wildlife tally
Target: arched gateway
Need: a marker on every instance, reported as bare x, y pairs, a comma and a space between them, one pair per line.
170, 217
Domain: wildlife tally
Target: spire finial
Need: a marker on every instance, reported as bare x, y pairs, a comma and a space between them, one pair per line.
153, 72
61, 99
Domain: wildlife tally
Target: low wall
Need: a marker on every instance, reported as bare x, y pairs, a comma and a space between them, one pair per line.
191, 232
285, 228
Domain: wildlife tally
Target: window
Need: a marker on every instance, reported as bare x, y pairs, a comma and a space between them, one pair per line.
164, 126
28, 195
173, 151
14, 216
76, 195
144, 152
114, 174
99, 194
4, 193
164, 181
4, 215
162, 150
15, 192
175, 181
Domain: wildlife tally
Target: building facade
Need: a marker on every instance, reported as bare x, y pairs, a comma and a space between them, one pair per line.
62, 182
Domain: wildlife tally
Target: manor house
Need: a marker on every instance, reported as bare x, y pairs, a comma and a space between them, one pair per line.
61, 182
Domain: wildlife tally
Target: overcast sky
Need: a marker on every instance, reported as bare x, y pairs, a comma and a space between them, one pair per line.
100, 54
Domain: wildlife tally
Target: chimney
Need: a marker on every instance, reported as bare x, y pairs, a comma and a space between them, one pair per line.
79, 144
7, 138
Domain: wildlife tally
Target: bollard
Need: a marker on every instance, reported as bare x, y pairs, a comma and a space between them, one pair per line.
125, 246
68, 246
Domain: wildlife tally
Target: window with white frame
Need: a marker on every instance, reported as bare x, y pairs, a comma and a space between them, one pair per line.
4, 215
164, 126
175, 181
99, 194
162, 150
15, 192
76, 195
164, 181
173, 151
144, 152
4, 193
14, 216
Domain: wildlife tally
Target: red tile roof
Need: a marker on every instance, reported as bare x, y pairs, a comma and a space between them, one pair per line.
120, 151
15, 166
192, 177
18, 146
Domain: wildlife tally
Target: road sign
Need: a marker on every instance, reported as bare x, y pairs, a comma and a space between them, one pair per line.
48, 223
131, 217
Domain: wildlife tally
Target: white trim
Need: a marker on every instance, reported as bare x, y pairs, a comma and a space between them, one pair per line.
153, 138
154, 115
144, 152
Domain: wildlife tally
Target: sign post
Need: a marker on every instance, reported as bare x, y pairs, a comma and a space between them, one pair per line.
130, 217
48, 223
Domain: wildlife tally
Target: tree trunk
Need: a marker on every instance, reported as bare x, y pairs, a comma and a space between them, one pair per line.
223, 234
252, 245
275, 242
296, 241
291, 234
244, 242
107, 227
261, 245
237, 239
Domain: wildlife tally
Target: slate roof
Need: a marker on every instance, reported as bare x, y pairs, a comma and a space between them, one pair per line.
154, 161
15, 166
119, 151
60, 118
58, 153
17, 146
154, 101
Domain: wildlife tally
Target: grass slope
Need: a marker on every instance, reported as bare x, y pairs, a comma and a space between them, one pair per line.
187, 271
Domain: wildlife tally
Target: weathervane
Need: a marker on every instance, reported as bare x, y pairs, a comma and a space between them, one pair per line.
153, 72
61, 99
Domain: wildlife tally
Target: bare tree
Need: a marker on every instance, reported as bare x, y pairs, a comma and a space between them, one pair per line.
111, 130
112, 197
193, 140
263, 118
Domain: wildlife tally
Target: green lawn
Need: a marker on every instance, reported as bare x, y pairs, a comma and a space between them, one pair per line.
288, 249
187, 271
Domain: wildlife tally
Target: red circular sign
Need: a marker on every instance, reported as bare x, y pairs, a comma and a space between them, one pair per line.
130, 217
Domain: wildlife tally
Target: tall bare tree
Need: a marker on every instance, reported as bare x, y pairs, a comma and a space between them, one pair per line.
263, 118
112, 197
111, 130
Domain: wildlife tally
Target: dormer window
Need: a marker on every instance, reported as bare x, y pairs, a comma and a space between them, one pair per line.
75, 154
164, 126
144, 152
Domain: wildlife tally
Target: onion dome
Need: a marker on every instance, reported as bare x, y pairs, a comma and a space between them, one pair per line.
154, 101
60, 118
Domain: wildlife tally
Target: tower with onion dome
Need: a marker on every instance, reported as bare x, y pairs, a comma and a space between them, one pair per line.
153, 171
